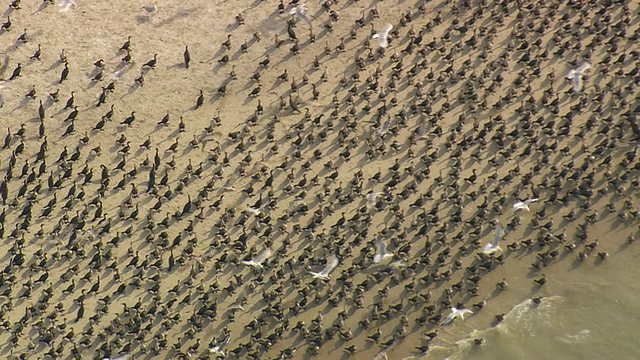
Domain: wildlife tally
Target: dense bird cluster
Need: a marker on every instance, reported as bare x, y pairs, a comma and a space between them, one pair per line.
367, 203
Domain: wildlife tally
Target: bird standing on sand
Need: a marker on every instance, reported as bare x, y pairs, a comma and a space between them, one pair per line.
187, 56
130, 119
200, 100
151, 63
16, 72
127, 45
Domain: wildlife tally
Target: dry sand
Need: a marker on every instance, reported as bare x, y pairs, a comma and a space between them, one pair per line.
91, 31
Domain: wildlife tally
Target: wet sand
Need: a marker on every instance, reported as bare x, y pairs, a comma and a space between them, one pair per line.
206, 257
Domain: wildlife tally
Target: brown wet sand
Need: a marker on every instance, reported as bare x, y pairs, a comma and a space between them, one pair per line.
153, 311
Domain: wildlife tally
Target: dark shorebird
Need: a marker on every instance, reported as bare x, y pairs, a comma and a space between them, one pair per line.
16, 72
65, 73
126, 46
140, 79
127, 58
151, 63
187, 56
7, 24
129, 119
36, 55
199, 100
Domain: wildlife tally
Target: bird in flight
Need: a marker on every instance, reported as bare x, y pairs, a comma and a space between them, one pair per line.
382, 253
383, 36
324, 274
258, 260
493, 246
301, 12
217, 349
575, 75
456, 313
523, 205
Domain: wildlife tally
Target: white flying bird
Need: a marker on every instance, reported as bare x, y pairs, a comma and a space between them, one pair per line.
455, 313
523, 205
301, 12
383, 36
258, 260
493, 246
384, 129
258, 211
576, 76
382, 253
65, 5
324, 274
372, 197
217, 349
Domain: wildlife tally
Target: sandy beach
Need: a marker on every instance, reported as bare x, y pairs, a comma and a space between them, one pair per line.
152, 210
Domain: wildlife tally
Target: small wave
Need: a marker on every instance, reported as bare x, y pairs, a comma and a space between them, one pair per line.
516, 323
521, 316
576, 338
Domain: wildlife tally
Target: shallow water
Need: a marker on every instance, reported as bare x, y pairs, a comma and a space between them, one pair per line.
593, 316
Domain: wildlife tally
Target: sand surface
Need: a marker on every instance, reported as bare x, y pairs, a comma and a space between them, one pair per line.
118, 267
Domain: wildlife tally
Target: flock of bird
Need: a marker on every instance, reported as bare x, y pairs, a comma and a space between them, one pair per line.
347, 214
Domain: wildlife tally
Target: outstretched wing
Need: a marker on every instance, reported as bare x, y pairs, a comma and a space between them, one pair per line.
305, 18
465, 311
331, 264
382, 247
529, 201
225, 342
387, 30
577, 82
385, 128
452, 315
498, 236
262, 257
371, 198
584, 67
382, 36
301, 13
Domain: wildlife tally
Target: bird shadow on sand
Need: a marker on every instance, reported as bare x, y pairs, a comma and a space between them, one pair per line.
182, 13
217, 55
132, 88
178, 65
23, 103
143, 19
43, 5
8, 12
54, 66
91, 85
